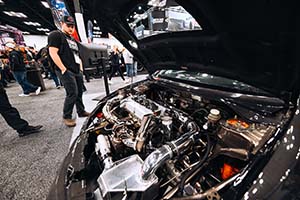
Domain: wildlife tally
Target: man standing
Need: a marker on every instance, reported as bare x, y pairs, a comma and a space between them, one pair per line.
115, 64
12, 116
18, 68
128, 58
63, 51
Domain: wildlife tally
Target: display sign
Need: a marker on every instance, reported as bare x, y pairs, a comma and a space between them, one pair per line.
158, 20
58, 9
139, 31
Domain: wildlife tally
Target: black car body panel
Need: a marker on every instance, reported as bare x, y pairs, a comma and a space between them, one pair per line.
247, 41
256, 134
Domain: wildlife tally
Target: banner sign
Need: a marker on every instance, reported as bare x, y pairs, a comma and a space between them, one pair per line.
58, 9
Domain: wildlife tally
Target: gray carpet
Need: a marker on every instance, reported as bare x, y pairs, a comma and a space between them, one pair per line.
28, 165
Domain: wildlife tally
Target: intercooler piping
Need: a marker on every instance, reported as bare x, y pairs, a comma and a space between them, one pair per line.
107, 109
142, 132
157, 158
104, 151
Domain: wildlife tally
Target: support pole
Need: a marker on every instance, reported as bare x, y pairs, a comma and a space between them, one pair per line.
104, 73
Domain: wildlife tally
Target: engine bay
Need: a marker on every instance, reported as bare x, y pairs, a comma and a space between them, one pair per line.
153, 142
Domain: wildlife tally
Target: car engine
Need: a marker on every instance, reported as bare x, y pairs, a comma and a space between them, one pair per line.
153, 142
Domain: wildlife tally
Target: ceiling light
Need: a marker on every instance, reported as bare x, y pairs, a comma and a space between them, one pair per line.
32, 23
157, 3
97, 32
96, 28
8, 13
133, 44
25, 33
43, 29
45, 4
1, 2
15, 14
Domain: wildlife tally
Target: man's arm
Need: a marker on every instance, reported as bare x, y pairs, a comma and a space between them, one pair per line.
81, 66
53, 51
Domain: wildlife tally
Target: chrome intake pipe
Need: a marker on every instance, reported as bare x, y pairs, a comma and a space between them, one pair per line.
157, 158
142, 132
107, 109
103, 151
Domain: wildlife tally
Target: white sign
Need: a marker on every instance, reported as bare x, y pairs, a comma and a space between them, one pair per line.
158, 20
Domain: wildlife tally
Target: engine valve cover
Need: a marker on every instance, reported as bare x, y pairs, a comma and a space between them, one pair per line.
142, 108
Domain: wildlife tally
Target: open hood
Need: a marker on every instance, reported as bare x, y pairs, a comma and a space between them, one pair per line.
253, 41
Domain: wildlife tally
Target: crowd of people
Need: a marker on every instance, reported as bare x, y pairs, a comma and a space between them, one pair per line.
15, 62
17, 59
13, 68
60, 61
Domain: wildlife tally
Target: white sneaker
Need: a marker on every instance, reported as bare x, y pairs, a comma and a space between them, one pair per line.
23, 95
110, 82
37, 92
57, 87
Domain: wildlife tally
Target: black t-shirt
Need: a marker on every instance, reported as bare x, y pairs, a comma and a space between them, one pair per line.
68, 49
115, 58
16, 61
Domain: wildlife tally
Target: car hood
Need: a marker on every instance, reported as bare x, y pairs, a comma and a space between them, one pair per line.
253, 42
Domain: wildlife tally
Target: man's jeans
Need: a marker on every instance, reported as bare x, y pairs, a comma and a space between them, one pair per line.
55, 78
9, 113
129, 70
21, 78
73, 84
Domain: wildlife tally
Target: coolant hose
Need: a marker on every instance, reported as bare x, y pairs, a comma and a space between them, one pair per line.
190, 172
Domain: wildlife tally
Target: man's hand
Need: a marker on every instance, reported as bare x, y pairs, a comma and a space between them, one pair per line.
63, 70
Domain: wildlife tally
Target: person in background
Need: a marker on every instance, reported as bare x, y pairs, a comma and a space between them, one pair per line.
2, 74
8, 75
12, 116
135, 64
33, 52
128, 59
115, 64
27, 57
18, 68
42, 57
64, 52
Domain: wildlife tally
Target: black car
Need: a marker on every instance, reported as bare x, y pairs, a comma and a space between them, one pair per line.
217, 118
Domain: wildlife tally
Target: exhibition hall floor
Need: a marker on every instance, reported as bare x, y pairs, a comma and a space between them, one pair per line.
28, 165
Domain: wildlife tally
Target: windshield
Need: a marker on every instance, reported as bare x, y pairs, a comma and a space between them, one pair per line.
196, 78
